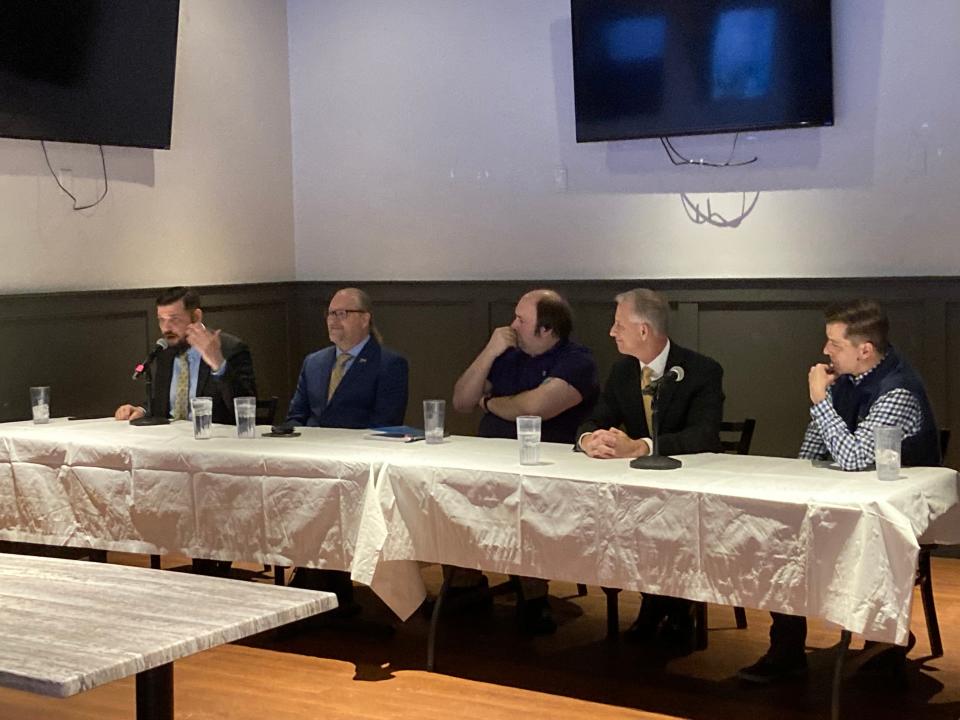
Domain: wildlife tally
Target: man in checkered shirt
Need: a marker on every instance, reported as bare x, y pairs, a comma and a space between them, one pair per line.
866, 385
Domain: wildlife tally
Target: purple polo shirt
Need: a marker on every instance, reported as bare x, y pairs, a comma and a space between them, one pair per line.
515, 371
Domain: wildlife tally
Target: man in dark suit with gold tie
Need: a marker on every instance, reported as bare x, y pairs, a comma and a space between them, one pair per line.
197, 362
689, 415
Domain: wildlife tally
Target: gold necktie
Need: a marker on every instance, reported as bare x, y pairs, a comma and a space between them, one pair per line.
182, 398
646, 376
337, 374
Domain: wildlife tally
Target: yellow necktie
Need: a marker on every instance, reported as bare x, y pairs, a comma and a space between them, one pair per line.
337, 374
646, 376
182, 398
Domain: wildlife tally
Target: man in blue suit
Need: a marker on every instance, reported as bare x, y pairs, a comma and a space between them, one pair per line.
356, 382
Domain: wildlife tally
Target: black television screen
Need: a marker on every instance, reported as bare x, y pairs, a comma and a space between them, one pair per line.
654, 68
88, 71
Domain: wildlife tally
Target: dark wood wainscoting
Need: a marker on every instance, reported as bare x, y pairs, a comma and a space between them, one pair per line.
765, 333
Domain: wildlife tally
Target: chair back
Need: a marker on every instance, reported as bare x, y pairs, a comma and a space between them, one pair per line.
740, 445
267, 411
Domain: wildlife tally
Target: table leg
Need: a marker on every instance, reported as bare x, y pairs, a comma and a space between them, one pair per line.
155, 693
842, 648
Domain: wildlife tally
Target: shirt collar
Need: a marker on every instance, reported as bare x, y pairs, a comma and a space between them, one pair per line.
857, 379
659, 364
356, 349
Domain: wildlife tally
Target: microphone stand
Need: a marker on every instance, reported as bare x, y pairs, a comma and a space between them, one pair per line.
655, 461
149, 418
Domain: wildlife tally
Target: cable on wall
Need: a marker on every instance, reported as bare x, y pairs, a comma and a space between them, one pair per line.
106, 186
678, 159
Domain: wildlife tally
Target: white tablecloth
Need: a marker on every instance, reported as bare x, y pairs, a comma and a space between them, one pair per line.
760, 532
109, 485
769, 533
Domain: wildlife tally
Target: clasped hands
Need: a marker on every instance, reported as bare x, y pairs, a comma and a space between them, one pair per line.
613, 443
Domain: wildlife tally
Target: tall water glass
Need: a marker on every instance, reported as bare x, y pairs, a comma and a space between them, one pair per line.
202, 410
886, 451
433, 412
246, 412
40, 404
528, 434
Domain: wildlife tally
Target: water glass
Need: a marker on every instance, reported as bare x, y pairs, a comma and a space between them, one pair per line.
246, 412
202, 410
433, 412
40, 402
886, 449
528, 433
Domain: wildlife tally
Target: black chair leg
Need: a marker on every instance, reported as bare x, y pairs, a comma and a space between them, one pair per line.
155, 562
278, 573
925, 581
700, 625
581, 590
741, 615
434, 618
613, 613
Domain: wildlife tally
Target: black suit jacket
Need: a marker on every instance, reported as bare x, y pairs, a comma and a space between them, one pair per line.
237, 380
689, 413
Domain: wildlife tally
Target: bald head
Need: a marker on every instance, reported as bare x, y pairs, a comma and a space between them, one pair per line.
542, 318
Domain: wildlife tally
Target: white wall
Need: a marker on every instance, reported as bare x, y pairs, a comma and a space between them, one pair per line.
216, 208
433, 139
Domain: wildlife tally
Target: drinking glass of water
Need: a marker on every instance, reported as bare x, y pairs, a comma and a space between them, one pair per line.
886, 449
246, 411
201, 408
40, 404
528, 434
433, 412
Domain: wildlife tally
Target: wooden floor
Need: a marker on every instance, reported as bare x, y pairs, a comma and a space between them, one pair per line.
375, 669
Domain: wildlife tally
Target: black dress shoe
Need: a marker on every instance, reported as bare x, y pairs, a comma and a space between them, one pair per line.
646, 627
535, 617
678, 635
774, 667
890, 662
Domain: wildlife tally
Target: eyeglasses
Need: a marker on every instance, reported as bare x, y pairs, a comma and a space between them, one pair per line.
342, 314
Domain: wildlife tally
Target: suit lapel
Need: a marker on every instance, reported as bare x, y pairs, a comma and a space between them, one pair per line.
203, 376
161, 383
357, 369
668, 389
325, 371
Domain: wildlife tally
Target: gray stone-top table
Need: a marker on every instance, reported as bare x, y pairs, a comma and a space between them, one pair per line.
68, 626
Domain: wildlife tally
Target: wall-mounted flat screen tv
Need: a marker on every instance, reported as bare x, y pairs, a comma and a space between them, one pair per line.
88, 71
654, 68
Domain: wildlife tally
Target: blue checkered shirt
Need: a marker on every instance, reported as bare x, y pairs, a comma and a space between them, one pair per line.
827, 435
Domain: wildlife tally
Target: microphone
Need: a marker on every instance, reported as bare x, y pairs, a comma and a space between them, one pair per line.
161, 345
674, 374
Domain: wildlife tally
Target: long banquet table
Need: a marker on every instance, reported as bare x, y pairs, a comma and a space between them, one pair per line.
770, 533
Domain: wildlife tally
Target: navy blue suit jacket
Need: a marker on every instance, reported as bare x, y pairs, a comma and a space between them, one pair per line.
373, 393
